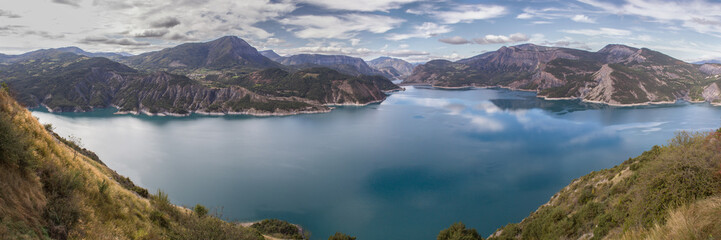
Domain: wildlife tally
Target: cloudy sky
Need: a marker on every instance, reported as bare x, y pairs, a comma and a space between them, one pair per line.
415, 30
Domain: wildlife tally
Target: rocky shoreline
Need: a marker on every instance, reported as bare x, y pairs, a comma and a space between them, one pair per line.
561, 98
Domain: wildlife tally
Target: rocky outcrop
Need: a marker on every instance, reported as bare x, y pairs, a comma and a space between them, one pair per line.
603, 91
710, 69
711, 93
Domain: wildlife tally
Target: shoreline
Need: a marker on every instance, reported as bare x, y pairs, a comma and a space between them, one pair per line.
247, 113
564, 98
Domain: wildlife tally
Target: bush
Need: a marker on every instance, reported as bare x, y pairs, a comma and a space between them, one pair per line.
15, 147
340, 236
158, 218
62, 210
277, 228
200, 210
458, 231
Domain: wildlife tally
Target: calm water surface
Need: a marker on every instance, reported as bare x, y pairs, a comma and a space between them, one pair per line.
403, 169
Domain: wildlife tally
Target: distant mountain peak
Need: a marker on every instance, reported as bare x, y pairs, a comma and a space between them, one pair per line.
224, 52
531, 47
617, 47
233, 41
271, 54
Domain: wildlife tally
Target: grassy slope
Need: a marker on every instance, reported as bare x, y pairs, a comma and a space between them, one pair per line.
49, 190
669, 192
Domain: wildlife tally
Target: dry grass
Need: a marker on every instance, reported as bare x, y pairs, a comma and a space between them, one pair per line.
53, 191
700, 220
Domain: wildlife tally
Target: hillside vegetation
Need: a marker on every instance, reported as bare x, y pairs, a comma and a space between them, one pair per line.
52, 189
669, 192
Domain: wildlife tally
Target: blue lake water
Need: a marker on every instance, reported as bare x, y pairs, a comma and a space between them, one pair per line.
403, 169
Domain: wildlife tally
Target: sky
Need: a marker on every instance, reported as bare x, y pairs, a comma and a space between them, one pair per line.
414, 30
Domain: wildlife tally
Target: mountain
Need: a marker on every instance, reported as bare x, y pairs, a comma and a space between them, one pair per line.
271, 55
345, 64
616, 74
54, 52
716, 61
397, 68
78, 51
52, 188
228, 52
324, 85
69, 82
668, 192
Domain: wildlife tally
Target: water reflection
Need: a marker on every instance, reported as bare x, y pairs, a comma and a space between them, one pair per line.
402, 169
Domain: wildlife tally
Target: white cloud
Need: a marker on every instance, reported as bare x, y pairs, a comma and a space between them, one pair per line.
610, 32
426, 58
337, 48
166, 22
425, 30
582, 18
525, 15
356, 5
700, 15
456, 40
465, 13
354, 41
341, 26
495, 39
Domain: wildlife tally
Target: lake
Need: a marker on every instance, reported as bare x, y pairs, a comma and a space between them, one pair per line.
403, 169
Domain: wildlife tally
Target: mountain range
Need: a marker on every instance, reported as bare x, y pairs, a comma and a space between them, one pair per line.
224, 76
391, 68
229, 76
616, 74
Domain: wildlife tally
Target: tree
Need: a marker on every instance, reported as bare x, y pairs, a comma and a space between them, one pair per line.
200, 210
458, 231
340, 236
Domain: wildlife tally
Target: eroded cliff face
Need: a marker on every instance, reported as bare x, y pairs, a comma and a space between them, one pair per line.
393, 67
165, 93
616, 74
712, 93
97, 83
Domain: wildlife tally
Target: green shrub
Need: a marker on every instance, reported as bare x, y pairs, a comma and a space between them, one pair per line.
277, 228
62, 210
458, 231
140, 191
340, 236
158, 218
200, 210
15, 146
